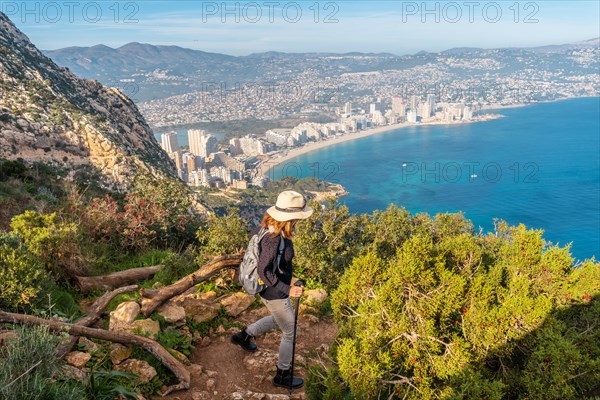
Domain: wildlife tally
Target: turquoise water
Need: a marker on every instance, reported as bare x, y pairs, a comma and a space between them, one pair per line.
539, 165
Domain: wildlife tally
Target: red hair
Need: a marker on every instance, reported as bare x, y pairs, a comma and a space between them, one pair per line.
286, 226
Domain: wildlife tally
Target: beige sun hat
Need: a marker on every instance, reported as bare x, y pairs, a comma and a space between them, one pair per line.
290, 205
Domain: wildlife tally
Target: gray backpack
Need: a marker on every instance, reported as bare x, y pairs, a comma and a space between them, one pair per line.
248, 275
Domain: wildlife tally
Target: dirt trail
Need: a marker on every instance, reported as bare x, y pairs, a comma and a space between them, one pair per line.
222, 370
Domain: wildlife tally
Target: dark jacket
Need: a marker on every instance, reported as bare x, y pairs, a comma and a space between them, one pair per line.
278, 280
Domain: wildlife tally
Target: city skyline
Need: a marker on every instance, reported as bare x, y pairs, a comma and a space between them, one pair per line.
242, 28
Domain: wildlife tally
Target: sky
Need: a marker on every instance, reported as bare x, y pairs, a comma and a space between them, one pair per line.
245, 27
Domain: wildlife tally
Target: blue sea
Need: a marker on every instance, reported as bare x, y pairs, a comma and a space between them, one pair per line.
538, 165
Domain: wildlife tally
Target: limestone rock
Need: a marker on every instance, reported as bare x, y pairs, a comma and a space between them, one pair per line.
315, 296
171, 312
204, 342
200, 307
236, 303
210, 384
262, 359
146, 327
201, 395
71, 372
122, 318
101, 128
119, 353
144, 371
90, 346
196, 369
77, 358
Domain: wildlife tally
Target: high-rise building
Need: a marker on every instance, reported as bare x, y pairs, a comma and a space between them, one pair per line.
201, 144
431, 104
348, 108
398, 106
169, 142
191, 164
378, 106
235, 147
424, 110
411, 116
414, 102
278, 136
176, 156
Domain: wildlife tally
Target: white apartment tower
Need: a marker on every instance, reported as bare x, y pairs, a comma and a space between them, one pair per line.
169, 142
201, 144
398, 106
431, 103
348, 108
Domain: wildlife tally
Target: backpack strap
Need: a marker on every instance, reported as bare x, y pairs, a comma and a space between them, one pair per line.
280, 252
261, 234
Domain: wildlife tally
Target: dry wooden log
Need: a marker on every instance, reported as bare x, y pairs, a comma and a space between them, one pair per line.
116, 279
152, 299
151, 346
94, 313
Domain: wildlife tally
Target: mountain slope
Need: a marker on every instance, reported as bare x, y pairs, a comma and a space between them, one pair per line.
48, 114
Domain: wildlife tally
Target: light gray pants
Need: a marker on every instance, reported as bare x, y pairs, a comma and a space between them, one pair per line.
282, 316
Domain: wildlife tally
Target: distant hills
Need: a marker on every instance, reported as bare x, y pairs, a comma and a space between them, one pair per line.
47, 114
189, 70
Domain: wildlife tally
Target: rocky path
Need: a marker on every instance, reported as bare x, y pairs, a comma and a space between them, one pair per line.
221, 370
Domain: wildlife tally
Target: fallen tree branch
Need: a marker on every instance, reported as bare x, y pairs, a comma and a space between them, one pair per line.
93, 315
151, 346
152, 299
116, 279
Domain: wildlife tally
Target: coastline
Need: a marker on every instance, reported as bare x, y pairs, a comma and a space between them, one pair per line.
267, 165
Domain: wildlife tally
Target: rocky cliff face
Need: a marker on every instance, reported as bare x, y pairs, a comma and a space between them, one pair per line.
48, 114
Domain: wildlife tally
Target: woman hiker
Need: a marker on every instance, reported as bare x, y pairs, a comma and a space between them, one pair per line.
280, 221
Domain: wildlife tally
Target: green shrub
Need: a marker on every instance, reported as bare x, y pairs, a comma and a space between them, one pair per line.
221, 235
27, 367
24, 281
55, 242
454, 315
326, 243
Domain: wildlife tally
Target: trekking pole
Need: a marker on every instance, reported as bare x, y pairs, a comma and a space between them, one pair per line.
298, 283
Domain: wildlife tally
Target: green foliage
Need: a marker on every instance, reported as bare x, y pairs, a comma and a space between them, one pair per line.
222, 235
172, 338
326, 243
27, 367
176, 266
108, 260
12, 169
325, 384
432, 311
55, 242
387, 230
207, 327
103, 385
24, 281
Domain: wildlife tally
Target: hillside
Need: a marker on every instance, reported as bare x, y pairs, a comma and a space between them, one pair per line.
47, 114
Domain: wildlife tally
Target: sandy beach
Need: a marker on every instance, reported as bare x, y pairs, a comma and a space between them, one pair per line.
286, 155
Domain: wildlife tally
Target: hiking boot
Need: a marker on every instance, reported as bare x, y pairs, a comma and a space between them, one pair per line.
244, 340
283, 378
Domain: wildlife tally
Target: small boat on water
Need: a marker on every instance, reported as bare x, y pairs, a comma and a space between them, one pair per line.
473, 176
